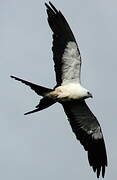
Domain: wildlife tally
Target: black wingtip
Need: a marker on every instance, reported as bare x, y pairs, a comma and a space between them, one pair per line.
49, 3
46, 4
51, 7
98, 171
103, 171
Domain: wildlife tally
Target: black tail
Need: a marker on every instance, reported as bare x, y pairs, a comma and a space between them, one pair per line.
40, 90
43, 104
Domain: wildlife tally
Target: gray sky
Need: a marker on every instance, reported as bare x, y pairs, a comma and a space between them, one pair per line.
42, 145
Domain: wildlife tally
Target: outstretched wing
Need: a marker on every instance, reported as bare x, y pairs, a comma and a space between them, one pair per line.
88, 131
66, 54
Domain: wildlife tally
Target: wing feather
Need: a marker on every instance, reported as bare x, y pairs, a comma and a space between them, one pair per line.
88, 131
66, 54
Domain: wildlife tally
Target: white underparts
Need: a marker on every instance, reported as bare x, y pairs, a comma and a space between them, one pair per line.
68, 92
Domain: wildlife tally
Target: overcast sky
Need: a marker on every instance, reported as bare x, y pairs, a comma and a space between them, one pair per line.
42, 146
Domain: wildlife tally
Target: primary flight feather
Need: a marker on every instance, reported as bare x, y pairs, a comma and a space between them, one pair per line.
69, 91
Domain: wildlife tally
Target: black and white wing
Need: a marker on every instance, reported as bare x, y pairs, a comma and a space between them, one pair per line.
88, 131
66, 54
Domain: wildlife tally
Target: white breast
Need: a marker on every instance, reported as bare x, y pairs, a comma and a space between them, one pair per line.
69, 91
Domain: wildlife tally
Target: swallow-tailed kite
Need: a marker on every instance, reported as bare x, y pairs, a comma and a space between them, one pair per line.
69, 91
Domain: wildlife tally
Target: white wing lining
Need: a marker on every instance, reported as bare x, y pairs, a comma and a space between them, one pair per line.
71, 64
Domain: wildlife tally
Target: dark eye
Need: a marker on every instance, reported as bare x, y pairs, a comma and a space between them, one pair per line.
89, 94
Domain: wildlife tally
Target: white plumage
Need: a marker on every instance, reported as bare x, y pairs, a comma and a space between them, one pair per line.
71, 60
69, 91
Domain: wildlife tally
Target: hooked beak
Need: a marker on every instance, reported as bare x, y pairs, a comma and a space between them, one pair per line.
90, 95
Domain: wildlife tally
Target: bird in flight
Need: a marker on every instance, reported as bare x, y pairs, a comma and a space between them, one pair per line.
69, 92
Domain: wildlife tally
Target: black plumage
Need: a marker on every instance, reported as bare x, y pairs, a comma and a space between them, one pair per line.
88, 131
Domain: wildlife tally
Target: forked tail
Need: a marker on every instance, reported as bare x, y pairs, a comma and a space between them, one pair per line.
45, 102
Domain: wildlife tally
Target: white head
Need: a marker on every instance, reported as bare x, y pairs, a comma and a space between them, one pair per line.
84, 93
74, 91
71, 91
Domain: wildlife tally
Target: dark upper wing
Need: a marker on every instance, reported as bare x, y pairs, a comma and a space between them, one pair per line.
38, 89
66, 54
88, 131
